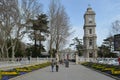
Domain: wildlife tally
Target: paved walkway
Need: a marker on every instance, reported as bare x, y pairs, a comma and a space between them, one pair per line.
74, 72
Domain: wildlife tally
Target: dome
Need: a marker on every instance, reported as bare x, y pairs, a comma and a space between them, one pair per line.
90, 11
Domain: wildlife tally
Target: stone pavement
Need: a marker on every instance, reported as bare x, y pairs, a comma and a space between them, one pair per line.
74, 72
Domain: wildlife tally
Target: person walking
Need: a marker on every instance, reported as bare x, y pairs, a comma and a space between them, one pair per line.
52, 65
119, 60
66, 63
57, 67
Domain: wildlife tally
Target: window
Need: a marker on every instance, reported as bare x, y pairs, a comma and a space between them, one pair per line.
90, 21
90, 31
90, 42
90, 55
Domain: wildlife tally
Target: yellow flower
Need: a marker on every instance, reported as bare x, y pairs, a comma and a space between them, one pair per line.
8, 73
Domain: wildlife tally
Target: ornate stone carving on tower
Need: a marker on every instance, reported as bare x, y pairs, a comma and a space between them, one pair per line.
89, 39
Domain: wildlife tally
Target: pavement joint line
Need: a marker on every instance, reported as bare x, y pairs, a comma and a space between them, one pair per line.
114, 77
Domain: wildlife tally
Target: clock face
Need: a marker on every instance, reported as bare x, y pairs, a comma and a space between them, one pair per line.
90, 19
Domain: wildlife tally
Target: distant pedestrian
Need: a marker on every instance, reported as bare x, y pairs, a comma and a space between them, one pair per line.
52, 65
57, 67
29, 58
119, 60
66, 63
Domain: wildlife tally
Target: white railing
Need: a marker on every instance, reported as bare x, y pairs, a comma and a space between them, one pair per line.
87, 60
7, 62
97, 60
107, 60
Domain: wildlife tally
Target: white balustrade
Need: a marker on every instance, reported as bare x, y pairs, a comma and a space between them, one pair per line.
96, 60
7, 62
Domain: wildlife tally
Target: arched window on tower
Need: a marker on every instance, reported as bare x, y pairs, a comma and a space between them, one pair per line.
90, 55
90, 42
90, 21
90, 31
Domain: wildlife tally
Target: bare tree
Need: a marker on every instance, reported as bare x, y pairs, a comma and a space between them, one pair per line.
8, 18
14, 17
115, 27
59, 25
52, 13
28, 9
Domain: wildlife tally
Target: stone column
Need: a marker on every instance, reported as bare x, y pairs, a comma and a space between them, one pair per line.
76, 58
57, 57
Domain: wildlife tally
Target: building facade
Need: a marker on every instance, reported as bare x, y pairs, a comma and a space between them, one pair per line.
89, 38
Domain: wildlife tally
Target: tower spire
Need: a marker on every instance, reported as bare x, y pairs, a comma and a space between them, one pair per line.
89, 6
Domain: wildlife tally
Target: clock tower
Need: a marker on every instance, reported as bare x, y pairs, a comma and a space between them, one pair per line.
89, 39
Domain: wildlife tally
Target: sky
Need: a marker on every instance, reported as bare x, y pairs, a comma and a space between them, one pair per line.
107, 11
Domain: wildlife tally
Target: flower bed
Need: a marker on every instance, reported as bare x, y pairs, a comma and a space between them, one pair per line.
109, 69
116, 72
24, 69
9, 73
99, 67
5, 75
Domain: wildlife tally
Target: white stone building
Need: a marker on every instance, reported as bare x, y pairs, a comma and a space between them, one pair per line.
89, 39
